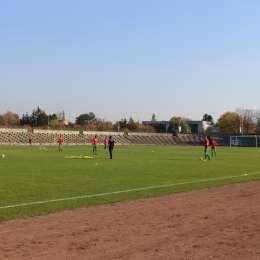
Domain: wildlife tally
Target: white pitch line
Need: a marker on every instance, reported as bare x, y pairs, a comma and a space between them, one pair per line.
117, 192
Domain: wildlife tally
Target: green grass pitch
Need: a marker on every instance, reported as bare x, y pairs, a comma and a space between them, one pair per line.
37, 181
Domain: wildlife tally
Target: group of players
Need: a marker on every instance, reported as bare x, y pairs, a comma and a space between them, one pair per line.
110, 143
107, 143
213, 145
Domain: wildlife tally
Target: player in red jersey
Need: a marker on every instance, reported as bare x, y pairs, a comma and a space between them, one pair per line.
30, 142
60, 141
94, 144
105, 143
206, 150
213, 147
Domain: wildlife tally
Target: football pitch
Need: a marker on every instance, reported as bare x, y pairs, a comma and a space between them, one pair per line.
41, 180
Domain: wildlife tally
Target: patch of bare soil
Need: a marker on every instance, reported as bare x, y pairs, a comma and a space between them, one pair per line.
216, 223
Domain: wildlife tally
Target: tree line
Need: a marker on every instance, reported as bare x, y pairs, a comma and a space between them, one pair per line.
88, 122
240, 121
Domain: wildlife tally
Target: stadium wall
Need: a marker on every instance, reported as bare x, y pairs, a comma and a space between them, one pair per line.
13, 130
60, 132
50, 137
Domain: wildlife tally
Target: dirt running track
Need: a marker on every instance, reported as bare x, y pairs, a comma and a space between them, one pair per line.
217, 223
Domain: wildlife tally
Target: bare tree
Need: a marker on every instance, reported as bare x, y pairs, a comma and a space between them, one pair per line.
60, 115
249, 126
10, 119
257, 121
246, 116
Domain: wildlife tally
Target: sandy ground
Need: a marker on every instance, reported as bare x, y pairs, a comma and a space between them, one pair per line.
216, 223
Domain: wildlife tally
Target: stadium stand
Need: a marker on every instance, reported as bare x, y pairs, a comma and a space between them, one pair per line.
50, 137
177, 140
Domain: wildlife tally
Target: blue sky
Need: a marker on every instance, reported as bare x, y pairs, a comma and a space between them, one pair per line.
122, 58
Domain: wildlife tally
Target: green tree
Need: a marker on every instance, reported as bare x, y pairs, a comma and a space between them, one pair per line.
54, 123
121, 125
53, 116
39, 117
132, 125
26, 120
176, 122
85, 119
208, 118
136, 126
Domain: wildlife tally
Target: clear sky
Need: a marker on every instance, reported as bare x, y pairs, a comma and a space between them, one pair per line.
130, 58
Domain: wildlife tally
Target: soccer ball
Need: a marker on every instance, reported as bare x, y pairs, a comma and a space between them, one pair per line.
201, 158
152, 151
3, 156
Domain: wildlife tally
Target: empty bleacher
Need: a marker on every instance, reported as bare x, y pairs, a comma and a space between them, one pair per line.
50, 137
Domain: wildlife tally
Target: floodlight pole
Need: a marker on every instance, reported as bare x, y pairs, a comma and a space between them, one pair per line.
118, 115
